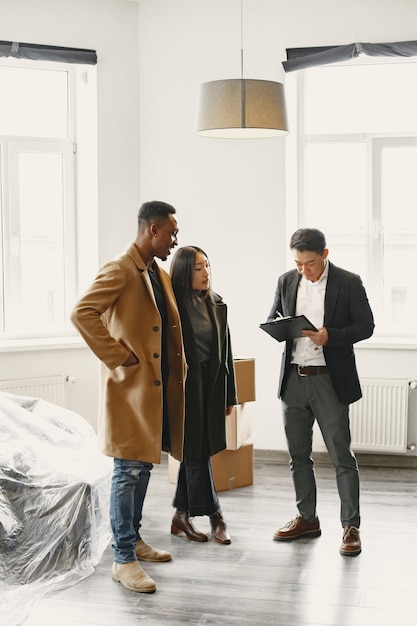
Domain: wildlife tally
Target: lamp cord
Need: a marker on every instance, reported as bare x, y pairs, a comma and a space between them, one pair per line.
241, 39
242, 82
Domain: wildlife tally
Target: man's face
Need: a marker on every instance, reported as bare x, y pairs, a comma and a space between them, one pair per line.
165, 237
310, 264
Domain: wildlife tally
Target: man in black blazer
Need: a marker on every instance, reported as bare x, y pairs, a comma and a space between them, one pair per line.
319, 380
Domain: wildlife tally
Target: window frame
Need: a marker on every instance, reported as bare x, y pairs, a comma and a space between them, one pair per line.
80, 202
296, 144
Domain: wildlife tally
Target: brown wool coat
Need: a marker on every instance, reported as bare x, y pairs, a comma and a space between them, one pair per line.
118, 315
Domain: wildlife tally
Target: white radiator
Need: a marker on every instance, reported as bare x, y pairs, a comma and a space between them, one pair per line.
50, 388
379, 419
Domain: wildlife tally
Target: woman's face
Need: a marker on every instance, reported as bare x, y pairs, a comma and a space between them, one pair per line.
201, 275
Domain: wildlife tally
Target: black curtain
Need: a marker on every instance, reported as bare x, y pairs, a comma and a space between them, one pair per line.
36, 52
301, 58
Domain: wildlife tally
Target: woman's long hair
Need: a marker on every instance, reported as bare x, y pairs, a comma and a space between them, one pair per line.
182, 271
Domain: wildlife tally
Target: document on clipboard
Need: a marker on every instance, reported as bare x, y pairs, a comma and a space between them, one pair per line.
284, 328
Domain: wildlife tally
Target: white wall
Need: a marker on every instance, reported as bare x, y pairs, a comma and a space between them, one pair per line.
230, 195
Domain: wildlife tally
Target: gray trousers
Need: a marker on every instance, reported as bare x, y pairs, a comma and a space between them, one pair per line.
310, 398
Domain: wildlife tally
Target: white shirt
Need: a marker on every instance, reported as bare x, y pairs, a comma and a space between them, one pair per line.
310, 302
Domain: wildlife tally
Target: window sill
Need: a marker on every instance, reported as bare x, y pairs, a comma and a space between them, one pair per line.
41, 343
388, 343
75, 342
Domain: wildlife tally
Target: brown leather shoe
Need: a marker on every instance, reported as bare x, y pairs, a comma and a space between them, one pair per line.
351, 542
181, 523
297, 528
219, 530
147, 553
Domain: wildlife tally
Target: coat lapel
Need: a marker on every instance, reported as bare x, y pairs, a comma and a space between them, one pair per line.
218, 313
134, 254
292, 287
331, 294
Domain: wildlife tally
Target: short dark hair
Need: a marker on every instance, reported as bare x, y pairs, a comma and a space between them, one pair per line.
154, 210
310, 239
181, 272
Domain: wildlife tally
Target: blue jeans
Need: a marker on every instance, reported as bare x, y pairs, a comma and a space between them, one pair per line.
128, 489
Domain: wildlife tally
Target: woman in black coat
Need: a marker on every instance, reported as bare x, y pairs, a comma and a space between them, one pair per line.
210, 393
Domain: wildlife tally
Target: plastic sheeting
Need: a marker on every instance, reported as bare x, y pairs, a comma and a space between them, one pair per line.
54, 502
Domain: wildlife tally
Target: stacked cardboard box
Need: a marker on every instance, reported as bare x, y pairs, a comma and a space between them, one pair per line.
238, 423
233, 467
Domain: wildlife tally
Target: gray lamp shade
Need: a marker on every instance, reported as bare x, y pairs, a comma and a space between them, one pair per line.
242, 109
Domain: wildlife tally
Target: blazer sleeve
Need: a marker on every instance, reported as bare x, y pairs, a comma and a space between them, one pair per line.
277, 303
352, 319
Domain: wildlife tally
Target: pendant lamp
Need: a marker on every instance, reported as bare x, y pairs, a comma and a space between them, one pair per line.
241, 108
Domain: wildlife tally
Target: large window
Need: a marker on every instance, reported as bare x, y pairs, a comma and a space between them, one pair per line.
354, 175
47, 140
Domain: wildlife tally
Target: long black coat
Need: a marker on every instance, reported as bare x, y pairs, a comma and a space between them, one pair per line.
222, 386
347, 317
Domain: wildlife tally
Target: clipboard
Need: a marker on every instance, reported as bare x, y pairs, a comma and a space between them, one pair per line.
285, 328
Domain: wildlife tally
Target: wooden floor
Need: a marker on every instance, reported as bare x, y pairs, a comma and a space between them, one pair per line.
256, 581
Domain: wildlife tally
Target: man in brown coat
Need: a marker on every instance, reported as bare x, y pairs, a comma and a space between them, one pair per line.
129, 319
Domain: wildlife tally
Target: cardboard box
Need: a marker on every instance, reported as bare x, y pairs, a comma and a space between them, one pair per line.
231, 468
173, 467
238, 427
245, 379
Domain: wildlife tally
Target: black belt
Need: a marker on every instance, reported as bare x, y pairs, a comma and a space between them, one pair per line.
309, 370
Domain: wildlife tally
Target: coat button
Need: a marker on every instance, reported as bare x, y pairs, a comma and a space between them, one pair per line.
155, 328
157, 383
156, 355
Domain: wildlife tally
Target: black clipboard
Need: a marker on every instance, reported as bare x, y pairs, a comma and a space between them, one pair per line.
284, 328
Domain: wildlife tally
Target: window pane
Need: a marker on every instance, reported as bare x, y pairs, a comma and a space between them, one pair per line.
36, 102
361, 99
47, 109
358, 178
336, 187
41, 213
336, 200
399, 231
350, 252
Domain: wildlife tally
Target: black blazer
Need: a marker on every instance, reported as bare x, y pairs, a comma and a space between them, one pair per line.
347, 317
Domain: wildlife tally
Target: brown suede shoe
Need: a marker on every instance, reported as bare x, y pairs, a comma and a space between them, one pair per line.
351, 542
219, 530
297, 528
132, 576
181, 523
147, 553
